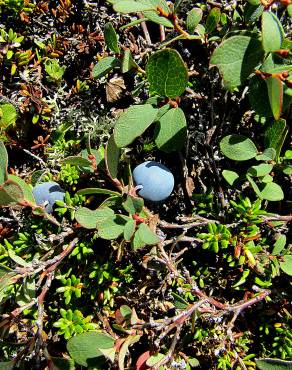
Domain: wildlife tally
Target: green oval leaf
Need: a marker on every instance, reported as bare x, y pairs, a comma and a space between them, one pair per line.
238, 147
111, 38
132, 123
273, 364
8, 115
131, 6
3, 163
272, 32
275, 92
112, 156
230, 176
260, 170
154, 17
89, 219
213, 20
104, 66
193, 19
167, 73
171, 131
286, 265
236, 58
83, 348
272, 192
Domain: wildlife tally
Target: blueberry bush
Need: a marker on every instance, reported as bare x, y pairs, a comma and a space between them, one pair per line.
145, 184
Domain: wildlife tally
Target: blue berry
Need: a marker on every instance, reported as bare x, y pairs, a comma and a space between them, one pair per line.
156, 181
47, 193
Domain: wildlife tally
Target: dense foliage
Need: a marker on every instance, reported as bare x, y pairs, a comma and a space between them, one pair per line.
100, 269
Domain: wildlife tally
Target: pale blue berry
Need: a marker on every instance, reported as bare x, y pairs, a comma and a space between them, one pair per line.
47, 193
155, 179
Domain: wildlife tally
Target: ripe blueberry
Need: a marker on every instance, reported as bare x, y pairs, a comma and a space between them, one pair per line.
156, 181
47, 193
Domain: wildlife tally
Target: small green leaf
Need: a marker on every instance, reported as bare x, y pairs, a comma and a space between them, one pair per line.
154, 359
10, 193
147, 235
171, 131
133, 205
252, 13
272, 192
112, 156
137, 242
129, 229
111, 38
84, 347
128, 62
89, 191
275, 92
112, 228
3, 163
272, 32
131, 6
259, 97
275, 135
238, 147
213, 20
104, 66
286, 265
193, 19
273, 364
268, 154
77, 161
179, 302
230, 176
167, 73
236, 58
132, 123
260, 170
154, 17
8, 115
25, 188
89, 219
279, 245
